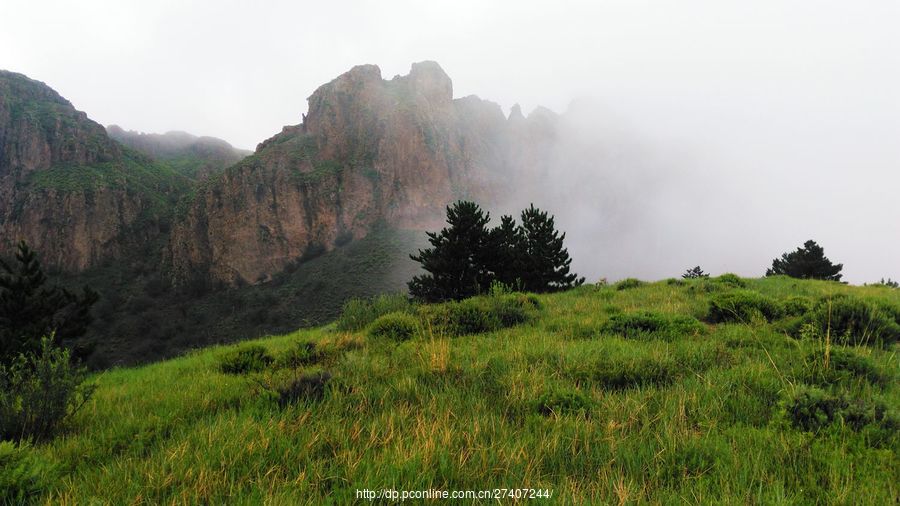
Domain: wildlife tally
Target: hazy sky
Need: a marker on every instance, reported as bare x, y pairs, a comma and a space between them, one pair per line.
751, 125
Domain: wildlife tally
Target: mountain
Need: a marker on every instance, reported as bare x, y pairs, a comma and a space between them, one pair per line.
70, 191
370, 151
190, 242
191, 156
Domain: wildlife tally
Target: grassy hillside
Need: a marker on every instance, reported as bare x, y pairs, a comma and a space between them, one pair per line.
592, 398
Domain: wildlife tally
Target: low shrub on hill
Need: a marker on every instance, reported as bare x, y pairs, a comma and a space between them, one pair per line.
852, 321
812, 409
252, 358
480, 314
303, 353
23, 475
648, 323
843, 366
742, 306
797, 305
731, 280
561, 401
39, 392
359, 313
628, 283
397, 326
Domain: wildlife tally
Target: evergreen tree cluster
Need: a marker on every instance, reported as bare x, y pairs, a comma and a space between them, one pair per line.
808, 262
467, 257
30, 310
694, 273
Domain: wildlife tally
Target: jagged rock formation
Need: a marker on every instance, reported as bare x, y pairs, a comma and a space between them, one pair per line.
66, 188
191, 156
368, 151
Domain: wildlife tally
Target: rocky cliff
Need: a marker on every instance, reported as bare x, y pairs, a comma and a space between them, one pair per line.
66, 188
369, 151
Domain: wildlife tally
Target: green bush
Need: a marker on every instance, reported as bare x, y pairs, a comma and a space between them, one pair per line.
629, 283
731, 280
359, 313
797, 306
852, 321
647, 323
23, 475
561, 401
480, 314
39, 392
303, 353
253, 358
398, 326
812, 409
675, 282
620, 375
741, 306
843, 366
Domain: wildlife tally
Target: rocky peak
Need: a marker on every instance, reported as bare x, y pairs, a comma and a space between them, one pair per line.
428, 79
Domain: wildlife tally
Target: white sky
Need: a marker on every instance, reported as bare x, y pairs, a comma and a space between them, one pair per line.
793, 106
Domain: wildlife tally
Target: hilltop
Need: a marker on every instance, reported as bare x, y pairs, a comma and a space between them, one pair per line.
604, 394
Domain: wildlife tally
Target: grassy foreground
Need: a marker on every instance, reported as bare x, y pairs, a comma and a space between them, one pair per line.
689, 415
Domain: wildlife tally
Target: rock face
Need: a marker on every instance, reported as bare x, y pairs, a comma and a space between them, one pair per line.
66, 188
194, 157
369, 151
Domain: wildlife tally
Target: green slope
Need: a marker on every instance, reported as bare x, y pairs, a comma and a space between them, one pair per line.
693, 414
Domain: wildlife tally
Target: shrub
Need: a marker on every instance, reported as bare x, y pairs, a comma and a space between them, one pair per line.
648, 323
308, 387
359, 313
481, 314
397, 326
675, 282
253, 358
843, 365
22, 475
732, 280
741, 306
629, 283
303, 353
797, 306
812, 409
38, 392
851, 320
563, 401
620, 375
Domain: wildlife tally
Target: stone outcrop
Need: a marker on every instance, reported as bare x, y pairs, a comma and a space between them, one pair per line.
369, 151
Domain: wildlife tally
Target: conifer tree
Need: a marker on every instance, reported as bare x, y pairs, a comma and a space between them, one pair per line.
694, 273
808, 262
30, 310
457, 262
547, 262
506, 253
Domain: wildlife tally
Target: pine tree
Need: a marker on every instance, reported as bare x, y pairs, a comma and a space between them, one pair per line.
808, 262
506, 253
29, 310
694, 273
546, 261
457, 262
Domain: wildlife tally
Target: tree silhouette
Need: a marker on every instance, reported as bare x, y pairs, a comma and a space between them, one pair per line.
457, 261
30, 310
808, 262
546, 261
694, 273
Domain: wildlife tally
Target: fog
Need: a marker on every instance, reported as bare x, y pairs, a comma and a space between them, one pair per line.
711, 132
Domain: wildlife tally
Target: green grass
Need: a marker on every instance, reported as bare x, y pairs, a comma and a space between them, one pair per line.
562, 401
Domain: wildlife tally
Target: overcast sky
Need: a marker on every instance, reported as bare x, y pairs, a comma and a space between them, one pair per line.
786, 114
